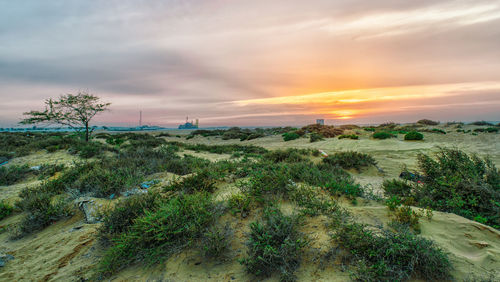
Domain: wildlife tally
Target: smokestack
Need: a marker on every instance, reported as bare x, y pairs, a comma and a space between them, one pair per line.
140, 118
196, 122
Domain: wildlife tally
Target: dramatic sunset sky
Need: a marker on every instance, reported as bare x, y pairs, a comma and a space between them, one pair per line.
255, 63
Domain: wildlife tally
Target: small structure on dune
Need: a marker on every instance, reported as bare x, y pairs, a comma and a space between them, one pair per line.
320, 121
189, 125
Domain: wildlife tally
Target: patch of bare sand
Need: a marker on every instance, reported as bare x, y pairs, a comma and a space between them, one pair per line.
42, 157
205, 155
11, 192
64, 251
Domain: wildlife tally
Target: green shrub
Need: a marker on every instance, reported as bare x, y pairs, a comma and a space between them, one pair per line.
221, 149
344, 186
414, 135
239, 203
268, 179
274, 244
482, 123
215, 241
351, 136
397, 187
201, 181
488, 130
290, 136
42, 210
87, 150
382, 135
312, 202
437, 130
49, 170
13, 174
369, 129
314, 137
428, 122
350, 159
391, 255
393, 202
111, 175
406, 216
5, 209
119, 219
455, 182
289, 155
115, 141
152, 238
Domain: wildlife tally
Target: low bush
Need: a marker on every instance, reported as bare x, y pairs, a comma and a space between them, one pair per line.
87, 149
389, 255
174, 225
369, 129
437, 130
164, 134
121, 217
289, 155
14, 173
314, 137
269, 179
414, 135
239, 203
397, 187
406, 216
428, 122
347, 136
201, 181
327, 131
274, 244
221, 149
49, 170
312, 202
5, 209
488, 130
454, 182
215, 241
482, 123
387, 125
42, 209
350, 159
382, 135
116, 141
290, 136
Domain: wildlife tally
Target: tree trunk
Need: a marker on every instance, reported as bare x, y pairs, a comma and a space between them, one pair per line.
86, 132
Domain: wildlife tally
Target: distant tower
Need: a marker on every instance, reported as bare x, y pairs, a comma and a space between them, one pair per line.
140, 118
320, 121
196, 123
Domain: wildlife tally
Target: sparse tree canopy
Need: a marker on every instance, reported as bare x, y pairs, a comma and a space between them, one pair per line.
74, 111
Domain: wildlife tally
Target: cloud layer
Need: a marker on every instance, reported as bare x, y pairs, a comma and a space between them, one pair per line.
227, 62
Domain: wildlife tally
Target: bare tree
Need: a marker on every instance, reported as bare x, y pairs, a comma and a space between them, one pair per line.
74, 111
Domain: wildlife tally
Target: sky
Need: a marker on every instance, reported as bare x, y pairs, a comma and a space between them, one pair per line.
254, 63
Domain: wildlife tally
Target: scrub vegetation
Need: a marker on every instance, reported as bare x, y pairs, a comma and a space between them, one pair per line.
188, 213
453, 181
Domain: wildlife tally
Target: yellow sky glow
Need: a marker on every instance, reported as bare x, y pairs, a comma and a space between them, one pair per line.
352, 100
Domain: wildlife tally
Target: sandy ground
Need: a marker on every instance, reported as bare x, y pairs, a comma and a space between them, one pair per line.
68, 250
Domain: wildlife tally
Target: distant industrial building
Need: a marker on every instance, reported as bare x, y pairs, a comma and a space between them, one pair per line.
320, 121
189, 125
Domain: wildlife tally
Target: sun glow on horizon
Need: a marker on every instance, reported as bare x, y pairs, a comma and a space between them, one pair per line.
350, 104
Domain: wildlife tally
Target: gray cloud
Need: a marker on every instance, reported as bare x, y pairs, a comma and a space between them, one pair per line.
192, 56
